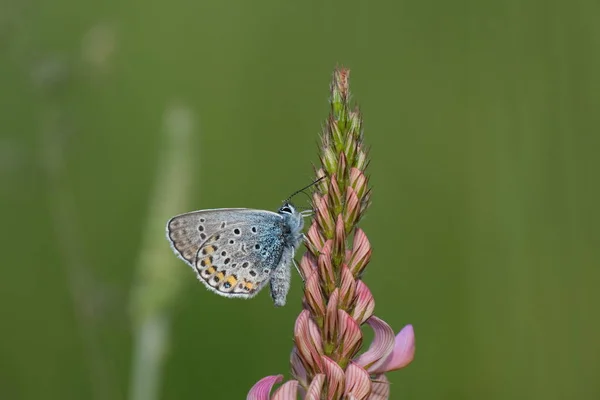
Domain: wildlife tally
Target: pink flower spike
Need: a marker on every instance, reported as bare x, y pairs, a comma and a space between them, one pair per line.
380, 388
287, 391
358, 382
315, 388
403, 353
380, 348
262, 389
335, 378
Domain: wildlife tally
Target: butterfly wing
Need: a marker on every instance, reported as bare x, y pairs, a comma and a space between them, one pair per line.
234, 251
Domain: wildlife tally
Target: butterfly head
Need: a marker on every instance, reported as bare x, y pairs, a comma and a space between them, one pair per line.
293, 218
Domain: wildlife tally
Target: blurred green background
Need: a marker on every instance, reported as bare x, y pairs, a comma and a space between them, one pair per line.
483, 118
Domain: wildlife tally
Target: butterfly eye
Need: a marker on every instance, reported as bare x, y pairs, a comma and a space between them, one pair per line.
286, 209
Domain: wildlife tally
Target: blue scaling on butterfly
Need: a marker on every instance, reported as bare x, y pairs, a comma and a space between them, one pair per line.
236, 251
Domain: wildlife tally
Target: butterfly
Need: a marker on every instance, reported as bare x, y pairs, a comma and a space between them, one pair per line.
237, 251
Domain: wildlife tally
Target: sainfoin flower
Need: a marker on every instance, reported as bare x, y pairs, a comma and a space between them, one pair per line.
325, 362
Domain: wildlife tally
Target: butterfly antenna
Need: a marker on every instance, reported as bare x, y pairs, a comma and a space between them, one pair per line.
304, 188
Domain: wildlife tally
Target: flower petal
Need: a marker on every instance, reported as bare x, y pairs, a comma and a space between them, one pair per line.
308, 265
358, 382
325, 266
380, 348
380, 388
342, 169
323, 217
365, 303
347, 287
339, 240
350, 336
335, 195
358, 181
314, 238
403, 353
361, 253
314, 295
330, 329
298, 370
352, 209
287, 391
335, 378
308, 342
315, 388
262, 388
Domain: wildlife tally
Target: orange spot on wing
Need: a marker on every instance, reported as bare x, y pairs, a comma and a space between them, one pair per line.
208, 250
231, 279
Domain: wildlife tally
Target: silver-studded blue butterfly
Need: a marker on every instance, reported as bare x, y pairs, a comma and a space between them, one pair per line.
236, 251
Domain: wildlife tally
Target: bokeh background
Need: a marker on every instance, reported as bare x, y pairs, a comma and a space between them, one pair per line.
483, 117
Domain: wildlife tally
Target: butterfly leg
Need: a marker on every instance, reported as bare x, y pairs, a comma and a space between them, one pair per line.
306, 213
298, 269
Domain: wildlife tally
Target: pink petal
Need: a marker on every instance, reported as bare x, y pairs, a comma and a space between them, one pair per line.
403, 353
358, 382
365, 303
262, 388
287, 391
347, 287
358, 181
308, 341
350, 334
331, 318
335, 378
380, 388
298, 370
314, 237
380, 348
352, 209
327, 248
323, 217
361, 252
335, 195
308, 265
315, 388
314, 294
339, 240
325, 264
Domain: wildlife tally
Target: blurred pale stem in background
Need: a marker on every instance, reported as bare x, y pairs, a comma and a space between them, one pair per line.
158, 279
